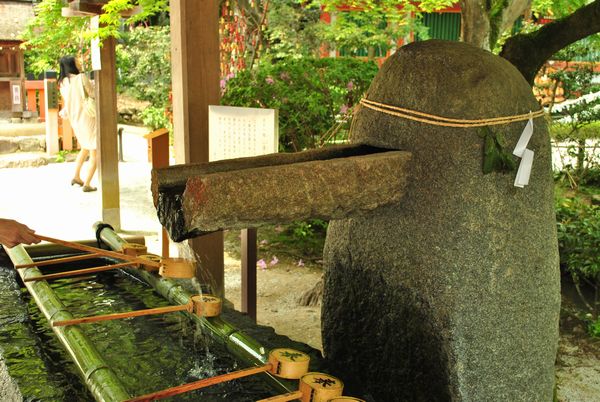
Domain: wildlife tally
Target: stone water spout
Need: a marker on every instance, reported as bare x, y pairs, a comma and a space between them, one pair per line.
442, 283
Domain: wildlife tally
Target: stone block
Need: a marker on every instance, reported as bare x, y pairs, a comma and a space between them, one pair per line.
8, 145
32, 144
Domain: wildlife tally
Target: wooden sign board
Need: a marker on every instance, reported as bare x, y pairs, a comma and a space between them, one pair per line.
236, 132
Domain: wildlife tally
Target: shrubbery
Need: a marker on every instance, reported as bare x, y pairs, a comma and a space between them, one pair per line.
144, 71
578, 226
312, 95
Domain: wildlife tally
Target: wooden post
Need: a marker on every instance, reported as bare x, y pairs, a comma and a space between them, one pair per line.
195, 77
51, 103
107, 148
158, 155
249, 256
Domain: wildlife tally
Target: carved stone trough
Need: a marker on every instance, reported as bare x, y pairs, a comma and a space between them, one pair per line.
441, 281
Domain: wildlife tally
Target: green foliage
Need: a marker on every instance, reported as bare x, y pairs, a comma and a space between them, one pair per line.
594, 328
49, 36
143, 60
578, 228
577, 80
372, 24
556, 8
312, 95
303, 230
293, 29
563, 131
62, 156
573, 118
496, 156
297, 240
155, 118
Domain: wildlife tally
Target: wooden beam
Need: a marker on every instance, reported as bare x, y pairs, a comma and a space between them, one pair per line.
195, 77
107, 148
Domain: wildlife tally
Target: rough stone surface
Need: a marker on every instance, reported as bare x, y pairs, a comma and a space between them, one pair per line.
35, 143
263, 187
23, 159
242, 199
8, 145
9, 390
453, 293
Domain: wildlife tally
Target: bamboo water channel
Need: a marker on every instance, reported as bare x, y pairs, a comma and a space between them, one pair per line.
101, 380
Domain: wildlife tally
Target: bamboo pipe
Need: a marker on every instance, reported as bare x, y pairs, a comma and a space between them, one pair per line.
58, 261
77, 272
127, 314
290, 396
101, 380
206, 382
239, 344
106, 253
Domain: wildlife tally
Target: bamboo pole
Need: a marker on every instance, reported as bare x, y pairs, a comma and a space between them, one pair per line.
239, 344
106, 253
77, 272
58, 261
45, 249
206, 382
103, 383
117, 316
290, 396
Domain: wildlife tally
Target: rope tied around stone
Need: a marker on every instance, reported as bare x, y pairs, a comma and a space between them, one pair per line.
446, 121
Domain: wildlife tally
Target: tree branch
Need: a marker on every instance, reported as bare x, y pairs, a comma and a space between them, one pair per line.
529, 52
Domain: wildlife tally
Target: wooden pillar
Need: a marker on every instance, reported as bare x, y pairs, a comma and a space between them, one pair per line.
158, 155
107, 144
249, 256
51, 112
195, 77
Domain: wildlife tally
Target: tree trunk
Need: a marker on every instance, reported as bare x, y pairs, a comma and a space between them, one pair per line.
475, 24
529, 52
482, 23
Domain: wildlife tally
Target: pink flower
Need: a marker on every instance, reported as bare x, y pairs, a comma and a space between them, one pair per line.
344, 109
269, 80
350, 86
274, 261
230, 76
261, 264
300, 263
222, 84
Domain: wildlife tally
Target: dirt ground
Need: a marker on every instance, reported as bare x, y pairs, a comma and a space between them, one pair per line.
279, 286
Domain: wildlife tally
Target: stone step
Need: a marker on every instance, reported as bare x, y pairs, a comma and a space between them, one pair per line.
30, 143
24, 159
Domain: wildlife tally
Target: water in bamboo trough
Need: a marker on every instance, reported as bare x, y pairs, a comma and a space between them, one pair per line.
441, 262
148, 352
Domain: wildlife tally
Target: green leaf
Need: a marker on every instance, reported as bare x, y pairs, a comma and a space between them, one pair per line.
495, 157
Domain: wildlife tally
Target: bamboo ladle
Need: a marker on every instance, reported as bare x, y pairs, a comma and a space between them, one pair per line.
285, 363
168, 267
201, 305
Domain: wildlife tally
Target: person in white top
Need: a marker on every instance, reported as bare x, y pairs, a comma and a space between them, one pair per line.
74, 88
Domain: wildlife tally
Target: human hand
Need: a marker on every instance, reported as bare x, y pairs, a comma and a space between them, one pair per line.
13, 233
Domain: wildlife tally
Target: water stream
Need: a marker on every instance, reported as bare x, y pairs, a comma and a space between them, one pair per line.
148, 353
